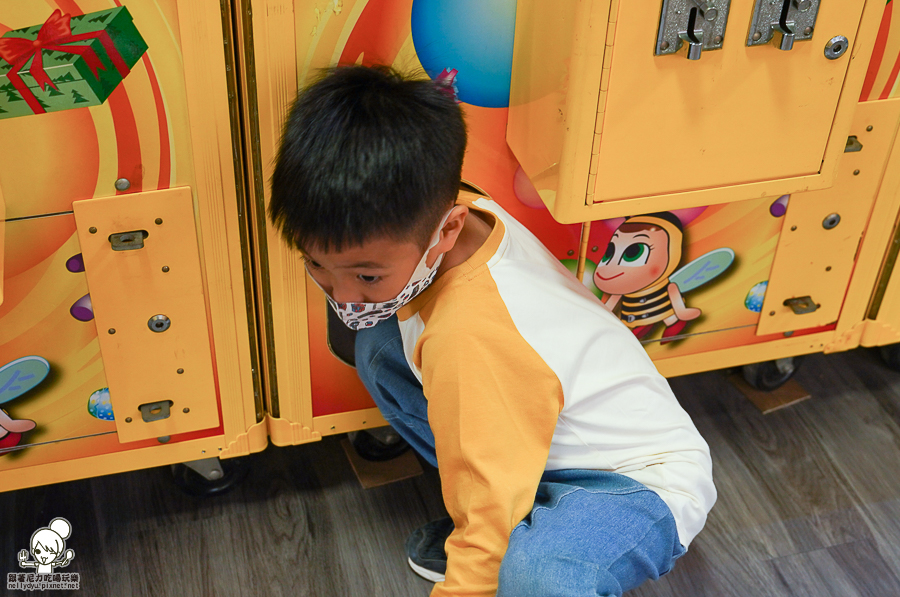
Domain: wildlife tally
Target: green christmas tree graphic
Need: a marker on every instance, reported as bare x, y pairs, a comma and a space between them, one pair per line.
78, 98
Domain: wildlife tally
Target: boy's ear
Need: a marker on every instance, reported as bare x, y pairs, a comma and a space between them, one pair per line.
449, 233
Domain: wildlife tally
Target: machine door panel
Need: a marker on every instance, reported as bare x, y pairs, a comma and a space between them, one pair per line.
736, 115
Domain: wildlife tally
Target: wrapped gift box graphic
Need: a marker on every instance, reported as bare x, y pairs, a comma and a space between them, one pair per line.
67, 62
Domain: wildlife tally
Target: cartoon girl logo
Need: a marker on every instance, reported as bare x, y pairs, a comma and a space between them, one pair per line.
638, 272
48, 546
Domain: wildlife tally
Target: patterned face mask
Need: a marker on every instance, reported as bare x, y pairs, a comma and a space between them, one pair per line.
365, 315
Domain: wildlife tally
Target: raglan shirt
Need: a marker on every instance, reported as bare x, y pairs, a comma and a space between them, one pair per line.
524, 371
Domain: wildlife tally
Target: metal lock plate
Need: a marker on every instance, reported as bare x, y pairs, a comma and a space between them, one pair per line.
785, 21
692, 25
134, 290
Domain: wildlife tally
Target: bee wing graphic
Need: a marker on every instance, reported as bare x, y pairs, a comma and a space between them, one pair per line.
703, 269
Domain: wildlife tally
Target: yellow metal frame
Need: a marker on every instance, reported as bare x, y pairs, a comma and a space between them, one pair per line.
269, 82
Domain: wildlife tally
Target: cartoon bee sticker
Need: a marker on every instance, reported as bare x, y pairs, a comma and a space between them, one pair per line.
637, 273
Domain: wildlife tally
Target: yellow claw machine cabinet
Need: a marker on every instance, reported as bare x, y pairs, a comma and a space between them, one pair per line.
762, 129
125, 336
751, 137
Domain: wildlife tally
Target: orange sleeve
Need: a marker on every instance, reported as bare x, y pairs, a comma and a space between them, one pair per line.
493, 405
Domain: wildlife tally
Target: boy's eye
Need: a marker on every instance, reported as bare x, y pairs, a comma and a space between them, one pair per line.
310, 263
369, 279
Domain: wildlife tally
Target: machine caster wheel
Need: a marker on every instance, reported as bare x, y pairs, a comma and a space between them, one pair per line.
770, 375
378, 445
210, 476
890, 354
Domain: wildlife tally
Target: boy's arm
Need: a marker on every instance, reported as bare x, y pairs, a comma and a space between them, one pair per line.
493, 404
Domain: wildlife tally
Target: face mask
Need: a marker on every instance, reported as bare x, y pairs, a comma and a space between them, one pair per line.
365, 315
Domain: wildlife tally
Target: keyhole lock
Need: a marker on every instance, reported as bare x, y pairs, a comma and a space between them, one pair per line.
159, 323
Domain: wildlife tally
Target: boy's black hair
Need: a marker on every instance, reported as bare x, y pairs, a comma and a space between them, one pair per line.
367, 152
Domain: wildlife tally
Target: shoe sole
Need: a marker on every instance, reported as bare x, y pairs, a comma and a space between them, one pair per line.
425, 572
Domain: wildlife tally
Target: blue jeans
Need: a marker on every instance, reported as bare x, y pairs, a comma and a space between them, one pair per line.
590, 533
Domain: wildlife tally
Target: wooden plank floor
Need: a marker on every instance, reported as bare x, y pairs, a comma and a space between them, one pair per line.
809, 505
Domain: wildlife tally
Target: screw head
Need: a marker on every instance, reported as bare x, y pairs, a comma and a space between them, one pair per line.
717, 40
793, 228
128, 419
112, 331
771, 313
869, 128
179, 371
165, 268
664, 46
159, 323
831, 221
158, 221
808, 31
757, 36
123, 184
595, 249
570, 253
856, 173
186, 410
828, 269
92, 230
164, 439
836, 47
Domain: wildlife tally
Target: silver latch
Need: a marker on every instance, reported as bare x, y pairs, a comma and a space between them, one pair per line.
853, 144
783, 21
801, 305
128, 241
155, 411
692, 26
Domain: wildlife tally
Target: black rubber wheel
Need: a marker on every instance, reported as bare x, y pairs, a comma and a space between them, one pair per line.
193, 483
371, 448
890, 354
770, 375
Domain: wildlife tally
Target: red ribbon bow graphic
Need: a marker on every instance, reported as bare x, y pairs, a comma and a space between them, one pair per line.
55, 32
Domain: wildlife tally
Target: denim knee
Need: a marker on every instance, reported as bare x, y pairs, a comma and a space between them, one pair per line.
545, 574
370, 341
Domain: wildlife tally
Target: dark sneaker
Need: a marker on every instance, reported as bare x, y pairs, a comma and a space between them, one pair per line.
425, 548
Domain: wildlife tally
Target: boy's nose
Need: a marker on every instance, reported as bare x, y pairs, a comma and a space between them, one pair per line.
346, 295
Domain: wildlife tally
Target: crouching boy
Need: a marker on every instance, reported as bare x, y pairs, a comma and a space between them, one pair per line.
567, 465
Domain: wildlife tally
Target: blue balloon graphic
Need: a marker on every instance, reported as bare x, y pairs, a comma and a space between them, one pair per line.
756, 296
473, 36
